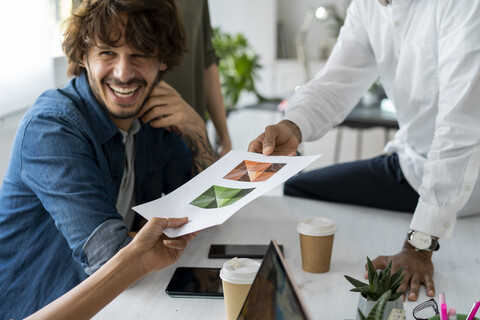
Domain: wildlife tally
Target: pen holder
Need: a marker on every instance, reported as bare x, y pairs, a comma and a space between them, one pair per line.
459, 317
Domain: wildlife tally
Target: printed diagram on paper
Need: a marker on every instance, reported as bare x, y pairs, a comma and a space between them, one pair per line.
253, 171
217, 197
218, 192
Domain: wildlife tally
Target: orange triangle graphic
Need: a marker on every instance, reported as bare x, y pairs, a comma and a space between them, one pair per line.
253, 175
265, 176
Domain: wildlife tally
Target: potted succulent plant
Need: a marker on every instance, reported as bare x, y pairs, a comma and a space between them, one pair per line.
379, 283
378, 309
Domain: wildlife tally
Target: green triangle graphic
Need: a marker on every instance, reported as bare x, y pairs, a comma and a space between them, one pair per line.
217, 197
202, 201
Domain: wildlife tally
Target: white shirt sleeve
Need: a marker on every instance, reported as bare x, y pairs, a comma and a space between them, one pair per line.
451, 170
326, 100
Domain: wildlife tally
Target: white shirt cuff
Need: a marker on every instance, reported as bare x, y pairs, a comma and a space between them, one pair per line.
432, 220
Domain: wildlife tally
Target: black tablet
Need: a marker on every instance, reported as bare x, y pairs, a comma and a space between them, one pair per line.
195, 282
274, 294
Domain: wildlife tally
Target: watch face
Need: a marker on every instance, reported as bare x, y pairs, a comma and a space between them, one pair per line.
421, 241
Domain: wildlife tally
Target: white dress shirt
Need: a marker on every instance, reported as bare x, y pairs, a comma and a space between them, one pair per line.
427, 56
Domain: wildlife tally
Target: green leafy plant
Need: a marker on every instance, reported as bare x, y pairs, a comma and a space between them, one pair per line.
376, 313
238, 66
379, 283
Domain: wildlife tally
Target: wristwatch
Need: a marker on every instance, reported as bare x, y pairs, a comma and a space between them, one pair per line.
422, 241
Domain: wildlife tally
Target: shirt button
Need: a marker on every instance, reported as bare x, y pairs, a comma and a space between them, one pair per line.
467, 188
397, 24
446, 225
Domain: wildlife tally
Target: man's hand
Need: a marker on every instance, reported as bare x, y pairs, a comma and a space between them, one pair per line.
280, 139
156, 251
418, 270
165, 108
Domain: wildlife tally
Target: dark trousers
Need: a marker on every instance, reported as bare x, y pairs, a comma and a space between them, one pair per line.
377, 182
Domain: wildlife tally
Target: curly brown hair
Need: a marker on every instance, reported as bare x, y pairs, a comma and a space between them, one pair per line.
152, 27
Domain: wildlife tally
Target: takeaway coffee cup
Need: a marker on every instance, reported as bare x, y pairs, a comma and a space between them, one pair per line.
237, 276
316, 242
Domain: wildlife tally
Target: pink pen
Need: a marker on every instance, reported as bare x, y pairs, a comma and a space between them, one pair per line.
443, 307
473, 311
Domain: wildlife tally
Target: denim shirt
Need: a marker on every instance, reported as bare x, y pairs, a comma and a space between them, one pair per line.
58, 220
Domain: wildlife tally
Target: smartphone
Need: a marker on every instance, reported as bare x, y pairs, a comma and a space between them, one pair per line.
195, 282
228, 251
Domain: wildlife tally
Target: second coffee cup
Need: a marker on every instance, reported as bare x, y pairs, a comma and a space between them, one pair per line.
316, 243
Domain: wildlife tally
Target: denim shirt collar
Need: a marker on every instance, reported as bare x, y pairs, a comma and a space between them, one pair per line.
102, 126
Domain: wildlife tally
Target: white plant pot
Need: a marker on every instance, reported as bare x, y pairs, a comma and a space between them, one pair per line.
366, 305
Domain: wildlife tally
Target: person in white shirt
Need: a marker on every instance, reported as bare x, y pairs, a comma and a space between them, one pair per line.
426, 54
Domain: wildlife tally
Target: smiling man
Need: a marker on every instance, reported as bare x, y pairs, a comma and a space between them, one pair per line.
116, 135
121, 86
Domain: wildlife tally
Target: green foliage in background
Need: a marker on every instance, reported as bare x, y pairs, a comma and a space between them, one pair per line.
238, 65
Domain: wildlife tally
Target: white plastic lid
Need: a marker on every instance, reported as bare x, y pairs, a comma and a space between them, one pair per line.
239, 270
316, 227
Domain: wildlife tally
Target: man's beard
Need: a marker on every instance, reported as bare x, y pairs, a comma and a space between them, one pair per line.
123, 115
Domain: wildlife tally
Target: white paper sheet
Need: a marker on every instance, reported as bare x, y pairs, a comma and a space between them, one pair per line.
259, 174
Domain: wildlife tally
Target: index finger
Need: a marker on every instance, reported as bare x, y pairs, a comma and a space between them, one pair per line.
257, 144
163, 84
271, 134
164, 88
158, 97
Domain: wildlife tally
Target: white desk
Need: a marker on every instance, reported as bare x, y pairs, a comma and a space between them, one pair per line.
361, 232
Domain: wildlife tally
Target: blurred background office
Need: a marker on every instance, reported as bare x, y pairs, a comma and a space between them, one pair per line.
32, 61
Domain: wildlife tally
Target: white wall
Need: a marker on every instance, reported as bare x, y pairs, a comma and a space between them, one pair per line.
26, 66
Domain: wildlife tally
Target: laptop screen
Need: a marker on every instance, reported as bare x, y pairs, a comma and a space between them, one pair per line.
274, 293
